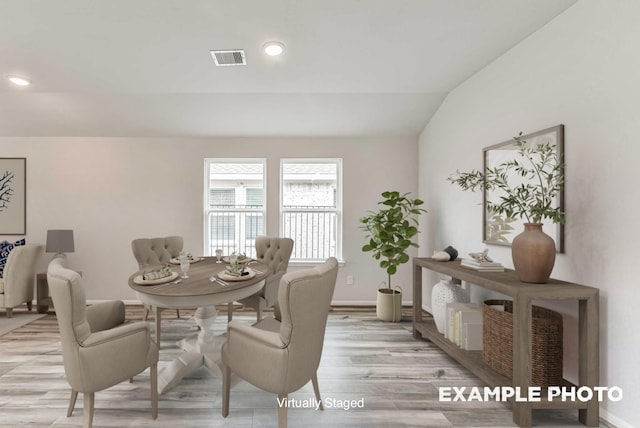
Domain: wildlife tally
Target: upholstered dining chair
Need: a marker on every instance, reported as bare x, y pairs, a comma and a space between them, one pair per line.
16, 284
152, 252
99, 350
282, 354
274, 252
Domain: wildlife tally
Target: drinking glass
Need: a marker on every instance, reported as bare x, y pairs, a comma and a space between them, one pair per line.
218, 255
184, 265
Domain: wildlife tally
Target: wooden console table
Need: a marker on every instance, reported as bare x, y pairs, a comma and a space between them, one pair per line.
522, 294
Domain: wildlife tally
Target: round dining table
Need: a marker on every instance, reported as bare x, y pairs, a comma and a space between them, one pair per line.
208, 284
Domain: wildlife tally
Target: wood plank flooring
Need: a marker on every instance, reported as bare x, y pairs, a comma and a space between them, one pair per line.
398, 378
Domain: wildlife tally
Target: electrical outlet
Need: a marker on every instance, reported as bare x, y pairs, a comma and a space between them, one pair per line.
349, 279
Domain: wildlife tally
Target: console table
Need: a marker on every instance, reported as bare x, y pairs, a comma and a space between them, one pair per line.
522, 294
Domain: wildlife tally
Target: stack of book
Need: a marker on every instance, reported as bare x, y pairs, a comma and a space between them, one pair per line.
464, 325
482, 266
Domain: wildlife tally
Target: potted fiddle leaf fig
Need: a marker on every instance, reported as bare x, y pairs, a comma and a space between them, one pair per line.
529, 185
390, 232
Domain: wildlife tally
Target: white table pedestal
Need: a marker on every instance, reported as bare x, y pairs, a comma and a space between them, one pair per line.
201, 349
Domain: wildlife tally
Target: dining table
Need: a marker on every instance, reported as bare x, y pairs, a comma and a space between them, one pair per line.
209, 283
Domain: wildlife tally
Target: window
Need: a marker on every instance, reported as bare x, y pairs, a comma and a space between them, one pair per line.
234, 205
311, 207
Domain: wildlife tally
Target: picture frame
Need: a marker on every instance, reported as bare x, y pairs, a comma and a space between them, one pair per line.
13, 196
499, 230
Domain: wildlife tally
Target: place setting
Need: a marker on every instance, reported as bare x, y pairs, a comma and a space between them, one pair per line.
237, 269
162, 275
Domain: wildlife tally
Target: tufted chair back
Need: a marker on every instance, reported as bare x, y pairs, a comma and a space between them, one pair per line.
274, 252
156, 251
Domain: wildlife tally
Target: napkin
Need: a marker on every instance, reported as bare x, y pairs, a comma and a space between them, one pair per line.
162, 272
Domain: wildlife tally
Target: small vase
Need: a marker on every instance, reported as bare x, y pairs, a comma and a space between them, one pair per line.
533, 253
443, 293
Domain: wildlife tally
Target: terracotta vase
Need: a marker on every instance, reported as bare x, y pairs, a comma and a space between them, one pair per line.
534, 254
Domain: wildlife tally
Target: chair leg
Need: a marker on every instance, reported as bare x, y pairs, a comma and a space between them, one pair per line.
226, 388
259, 313
145, 315
178, 313
229, 311
88, 398
72, 402
154, 390
158, 323
314, 382
29, 305
282, 411
9, 312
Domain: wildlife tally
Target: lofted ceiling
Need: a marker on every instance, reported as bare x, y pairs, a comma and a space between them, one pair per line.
142, 68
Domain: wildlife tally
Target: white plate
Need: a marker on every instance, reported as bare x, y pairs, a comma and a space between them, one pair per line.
227, 277
138, 279
175, 261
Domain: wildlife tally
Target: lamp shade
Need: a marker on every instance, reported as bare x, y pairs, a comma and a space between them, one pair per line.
60, 241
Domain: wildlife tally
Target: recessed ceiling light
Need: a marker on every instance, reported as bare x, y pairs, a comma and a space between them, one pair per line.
273, 48
18, 81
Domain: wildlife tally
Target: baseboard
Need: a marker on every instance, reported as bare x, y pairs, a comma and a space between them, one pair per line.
612, 420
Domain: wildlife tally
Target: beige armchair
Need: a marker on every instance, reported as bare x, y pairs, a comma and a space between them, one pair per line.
98, 349
152, 252
275, 252
16, 285
282, 355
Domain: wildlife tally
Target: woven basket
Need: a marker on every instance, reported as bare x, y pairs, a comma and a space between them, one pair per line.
546, 338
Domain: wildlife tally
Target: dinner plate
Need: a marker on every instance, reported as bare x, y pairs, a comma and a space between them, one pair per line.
138, 279
175, 261
228, 277
240, 261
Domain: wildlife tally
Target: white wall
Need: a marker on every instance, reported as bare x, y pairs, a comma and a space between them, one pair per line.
111, 191
582, 70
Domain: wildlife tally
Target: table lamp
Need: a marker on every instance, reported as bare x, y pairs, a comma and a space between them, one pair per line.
60, 242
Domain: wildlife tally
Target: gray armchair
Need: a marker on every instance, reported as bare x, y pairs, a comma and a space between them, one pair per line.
275, 252
16, 285
98, 349
152, 252
281, 355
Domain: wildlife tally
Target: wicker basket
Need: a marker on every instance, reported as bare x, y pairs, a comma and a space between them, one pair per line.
546, 337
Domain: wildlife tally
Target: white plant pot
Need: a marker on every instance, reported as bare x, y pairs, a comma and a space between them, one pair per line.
443, 293
389, 305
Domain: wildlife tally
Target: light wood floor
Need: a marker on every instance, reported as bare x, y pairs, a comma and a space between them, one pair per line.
397, 376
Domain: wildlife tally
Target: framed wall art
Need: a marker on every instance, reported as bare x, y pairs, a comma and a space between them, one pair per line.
13, 196
500, 229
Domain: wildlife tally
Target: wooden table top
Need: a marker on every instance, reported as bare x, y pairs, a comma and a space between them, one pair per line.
198, 283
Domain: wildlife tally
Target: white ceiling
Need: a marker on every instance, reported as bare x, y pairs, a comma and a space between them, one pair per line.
142, 68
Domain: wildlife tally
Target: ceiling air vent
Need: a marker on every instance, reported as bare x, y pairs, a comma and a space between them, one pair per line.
229, 57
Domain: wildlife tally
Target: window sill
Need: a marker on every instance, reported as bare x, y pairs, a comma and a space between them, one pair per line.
311, 263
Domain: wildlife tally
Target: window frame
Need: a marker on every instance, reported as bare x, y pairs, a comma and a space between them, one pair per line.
338, 202
207, 189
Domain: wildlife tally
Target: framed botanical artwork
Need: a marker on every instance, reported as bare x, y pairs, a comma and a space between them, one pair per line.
500, 229
13, 196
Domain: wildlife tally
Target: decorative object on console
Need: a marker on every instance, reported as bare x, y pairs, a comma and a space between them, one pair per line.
13, 196
445, 255
524, 179
443, 293
60, 242
482, 262
390, 232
